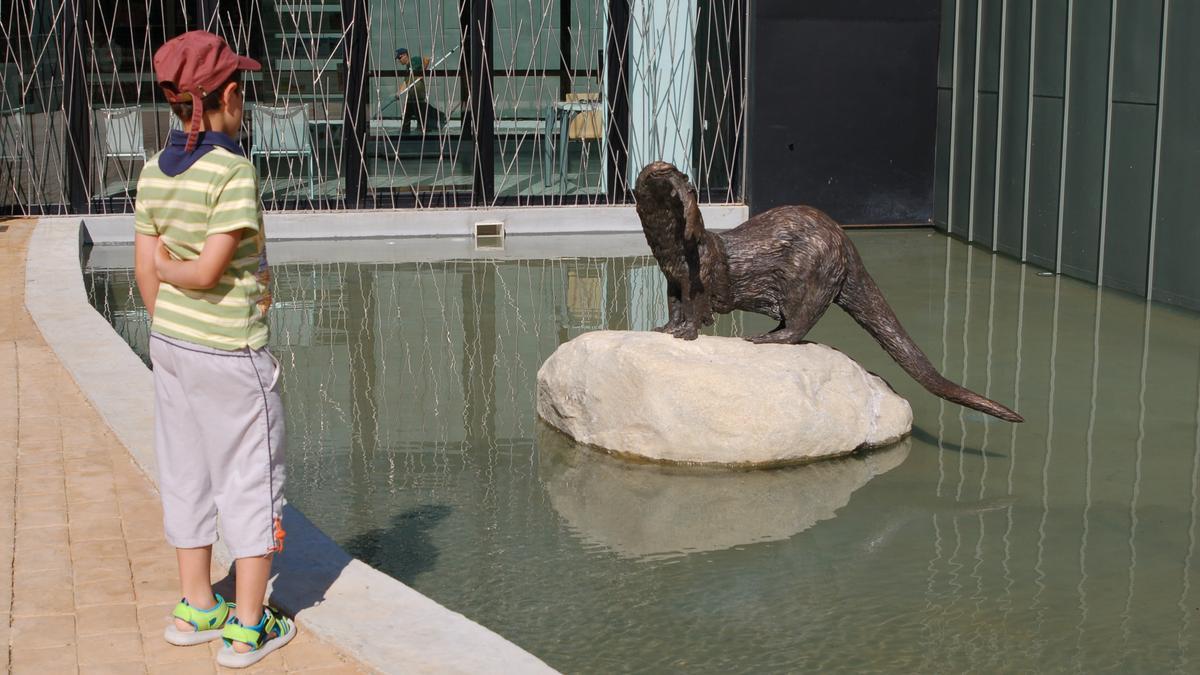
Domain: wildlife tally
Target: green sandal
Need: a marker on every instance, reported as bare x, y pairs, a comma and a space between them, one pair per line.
206, 624
272, 632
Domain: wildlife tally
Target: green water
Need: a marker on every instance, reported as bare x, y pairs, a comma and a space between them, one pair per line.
1065, 543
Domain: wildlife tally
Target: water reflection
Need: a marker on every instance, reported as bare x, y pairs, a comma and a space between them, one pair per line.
1067, 542
643, 510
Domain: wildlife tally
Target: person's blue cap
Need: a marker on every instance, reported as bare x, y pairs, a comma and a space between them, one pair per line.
401, 52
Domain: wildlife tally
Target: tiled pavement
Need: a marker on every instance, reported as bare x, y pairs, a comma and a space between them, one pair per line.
91, 579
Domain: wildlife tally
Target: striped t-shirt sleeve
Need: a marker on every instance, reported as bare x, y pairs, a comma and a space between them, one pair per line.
142, 222
236, 203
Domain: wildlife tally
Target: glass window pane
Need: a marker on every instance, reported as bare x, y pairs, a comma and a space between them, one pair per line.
419, 150
549, 102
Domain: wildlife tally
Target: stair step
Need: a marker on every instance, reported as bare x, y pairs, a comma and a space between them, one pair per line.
305, 65
319, 36
282, 8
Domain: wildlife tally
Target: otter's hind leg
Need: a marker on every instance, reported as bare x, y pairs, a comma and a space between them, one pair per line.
800, 313
755, 338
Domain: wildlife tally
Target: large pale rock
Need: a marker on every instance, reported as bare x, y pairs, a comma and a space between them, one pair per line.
715, 400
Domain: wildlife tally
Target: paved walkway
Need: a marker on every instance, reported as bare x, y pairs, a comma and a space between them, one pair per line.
91, 579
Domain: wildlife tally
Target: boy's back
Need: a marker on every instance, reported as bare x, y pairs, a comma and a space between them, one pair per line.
218, 193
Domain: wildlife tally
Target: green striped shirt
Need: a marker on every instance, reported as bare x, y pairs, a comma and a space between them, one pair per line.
219, 193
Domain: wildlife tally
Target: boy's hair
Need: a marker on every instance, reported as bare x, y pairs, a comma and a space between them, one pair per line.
184, 109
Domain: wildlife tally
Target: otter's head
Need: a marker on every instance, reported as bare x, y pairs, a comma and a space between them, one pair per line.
662, 189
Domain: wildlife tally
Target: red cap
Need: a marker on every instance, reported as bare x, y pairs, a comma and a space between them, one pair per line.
195, 64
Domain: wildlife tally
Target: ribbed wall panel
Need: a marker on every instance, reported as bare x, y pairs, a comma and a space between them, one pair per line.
1068, 136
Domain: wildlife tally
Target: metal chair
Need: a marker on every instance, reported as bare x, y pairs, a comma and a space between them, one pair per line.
579, 117
121, 136
14, 148
12, 134
282, 132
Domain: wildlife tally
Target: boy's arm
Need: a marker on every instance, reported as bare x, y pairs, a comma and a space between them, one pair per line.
145, 247
235, 212
205, 271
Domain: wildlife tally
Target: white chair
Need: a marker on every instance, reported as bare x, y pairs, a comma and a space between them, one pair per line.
282, 132
120, 136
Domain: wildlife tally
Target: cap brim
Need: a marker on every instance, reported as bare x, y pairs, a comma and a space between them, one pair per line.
247, 63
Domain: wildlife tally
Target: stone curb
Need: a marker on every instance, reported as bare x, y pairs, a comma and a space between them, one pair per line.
458, 222
368, 615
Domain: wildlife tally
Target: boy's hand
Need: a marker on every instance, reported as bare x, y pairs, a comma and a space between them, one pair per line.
162, 258
145, 254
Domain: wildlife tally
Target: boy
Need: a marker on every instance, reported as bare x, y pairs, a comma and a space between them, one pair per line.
200, 264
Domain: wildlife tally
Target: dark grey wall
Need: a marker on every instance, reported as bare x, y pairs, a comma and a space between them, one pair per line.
842, 107
1069, 136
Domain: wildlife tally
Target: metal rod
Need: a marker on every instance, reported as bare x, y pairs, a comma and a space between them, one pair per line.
618, 101
482, 107
76, 103
354, 129
564, 48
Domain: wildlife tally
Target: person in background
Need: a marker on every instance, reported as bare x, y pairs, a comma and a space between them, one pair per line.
412, 92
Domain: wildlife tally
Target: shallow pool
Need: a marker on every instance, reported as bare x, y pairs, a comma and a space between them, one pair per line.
1068, 542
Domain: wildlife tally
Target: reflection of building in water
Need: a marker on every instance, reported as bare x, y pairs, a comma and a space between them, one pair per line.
640, 510
404, 376
586, 297
647, 297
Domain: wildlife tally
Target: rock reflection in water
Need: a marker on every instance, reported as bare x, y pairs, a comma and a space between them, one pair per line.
646, 510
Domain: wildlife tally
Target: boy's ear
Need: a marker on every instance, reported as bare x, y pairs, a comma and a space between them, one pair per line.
229, 89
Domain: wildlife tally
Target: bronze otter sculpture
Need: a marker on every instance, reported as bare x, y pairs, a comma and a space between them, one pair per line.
789, 263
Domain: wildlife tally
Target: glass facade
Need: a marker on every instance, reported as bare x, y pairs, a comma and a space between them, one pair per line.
383, 103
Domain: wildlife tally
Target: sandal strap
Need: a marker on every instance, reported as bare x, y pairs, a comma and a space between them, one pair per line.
203, 619
272, 624
247, 635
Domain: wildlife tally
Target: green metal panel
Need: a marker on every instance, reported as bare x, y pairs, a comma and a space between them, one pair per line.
1087, 112
1177, 240
941, 169
996, 144
946, 46
960, 150
983, 208
1135, 67
991, 18
1045, 154
1050, 51
1014, 128
1130, 187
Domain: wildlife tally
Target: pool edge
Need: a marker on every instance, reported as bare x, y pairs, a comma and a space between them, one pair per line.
372, 617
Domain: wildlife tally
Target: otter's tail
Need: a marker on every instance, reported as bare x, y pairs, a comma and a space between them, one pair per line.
863, 301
